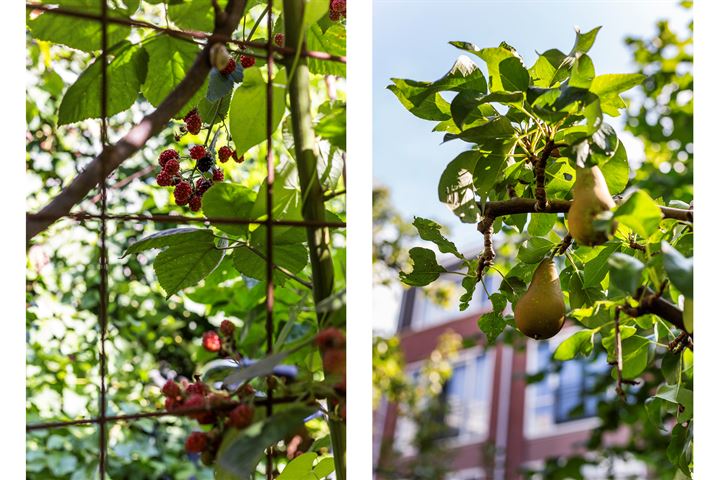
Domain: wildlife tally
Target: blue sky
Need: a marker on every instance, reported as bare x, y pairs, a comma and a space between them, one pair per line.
410, 40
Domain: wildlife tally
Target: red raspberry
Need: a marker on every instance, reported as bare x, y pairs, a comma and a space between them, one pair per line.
334, 361
339, 6
167, 155
224, 153
196, 442
335, 16
164, 179
172, 167
247, 61
202, 185
197, 388
171, 404
280, 39
330, 338
196, 401
238, 160
211, 340
229, 68
171, 389
193, 124
195, 203
241, 416
227, 328
197, 152
218, 175
191, 113
182, 193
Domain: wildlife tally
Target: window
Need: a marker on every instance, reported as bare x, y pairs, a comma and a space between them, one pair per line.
564, 398
467, 395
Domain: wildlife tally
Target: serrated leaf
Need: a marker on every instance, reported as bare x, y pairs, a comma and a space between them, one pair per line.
261, 368
579, 343
169, 60
492, 325
231, 201
332, 41
425, 268
167, 238
469, 283
185, 264
431, 232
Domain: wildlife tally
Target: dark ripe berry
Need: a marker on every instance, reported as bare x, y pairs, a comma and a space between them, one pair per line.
202, 185
196, 442
330, 338
338, 6
238, 160
171, 389
280, 39
241, 416
164, 179
247, 61
335, 16
199, 388
191, 113
227, 328
167, 155
218, 400
205, 163
197, 152
211, 341
224, 153
195, 401
182, 192
193, 124
229, 68
171, 404
172, 167
334, 361
195, 203
218, 175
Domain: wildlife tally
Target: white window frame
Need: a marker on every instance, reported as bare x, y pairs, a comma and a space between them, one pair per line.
531, 428
467, 474
465, 357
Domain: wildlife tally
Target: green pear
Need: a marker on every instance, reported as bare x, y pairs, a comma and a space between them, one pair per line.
540, 312
590, 198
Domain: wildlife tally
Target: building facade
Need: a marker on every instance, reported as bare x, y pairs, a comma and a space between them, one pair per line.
499, 423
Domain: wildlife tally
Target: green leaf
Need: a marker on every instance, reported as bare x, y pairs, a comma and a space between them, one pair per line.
679, 269
248, 111
534, 249
584, 41
489, 166
615, 83
431, 232
464, 106
597, 268
193, 14
513, 76
332, 41
492, 57
469, 282
635, 356
300, 468
679, 450
169, 60
213, 111
239, 454
582, 72
498, 127
605, 139
492, 325
252, 262
456, 188
616, 170
580, 342
546, 66
168, 238
331, 127
185, 264
625, 272
324, 467
220, 85
231, 201
425, 268
541, 224
639, 213
125, 73
260, 368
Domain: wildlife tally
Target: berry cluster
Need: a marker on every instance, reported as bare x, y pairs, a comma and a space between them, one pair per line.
338, 10
221, 410
247, 61
331, 343
222, 343
279, 39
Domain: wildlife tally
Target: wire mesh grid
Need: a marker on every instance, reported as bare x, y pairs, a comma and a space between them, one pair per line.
102, 420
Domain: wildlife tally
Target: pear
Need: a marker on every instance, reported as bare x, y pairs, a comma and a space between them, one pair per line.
590, 197
540, 312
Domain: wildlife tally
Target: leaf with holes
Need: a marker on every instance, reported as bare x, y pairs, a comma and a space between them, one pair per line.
425, 268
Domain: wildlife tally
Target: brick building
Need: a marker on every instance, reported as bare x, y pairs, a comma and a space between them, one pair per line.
498, 423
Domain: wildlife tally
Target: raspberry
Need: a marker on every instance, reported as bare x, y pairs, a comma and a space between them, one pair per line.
217, 400
164, 179
334, 361
211, 340
227, 328
218, 175
202, 185
205, 163
197, 152
191, 113
330, 338
335, 16
167, 155
229, 68
196, 442
195, 203
247, 61
197, 388
238, 160
339, 6
224, 153
280, 39
172, 167
182, 192
241, 416
196, 401
171, 404
171, 389
193, 124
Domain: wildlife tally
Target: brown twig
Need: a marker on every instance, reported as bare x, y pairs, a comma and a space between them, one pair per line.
563, 246
486, 259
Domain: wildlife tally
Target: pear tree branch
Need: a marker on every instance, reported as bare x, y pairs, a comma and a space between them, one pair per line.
540, 165
112, 156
